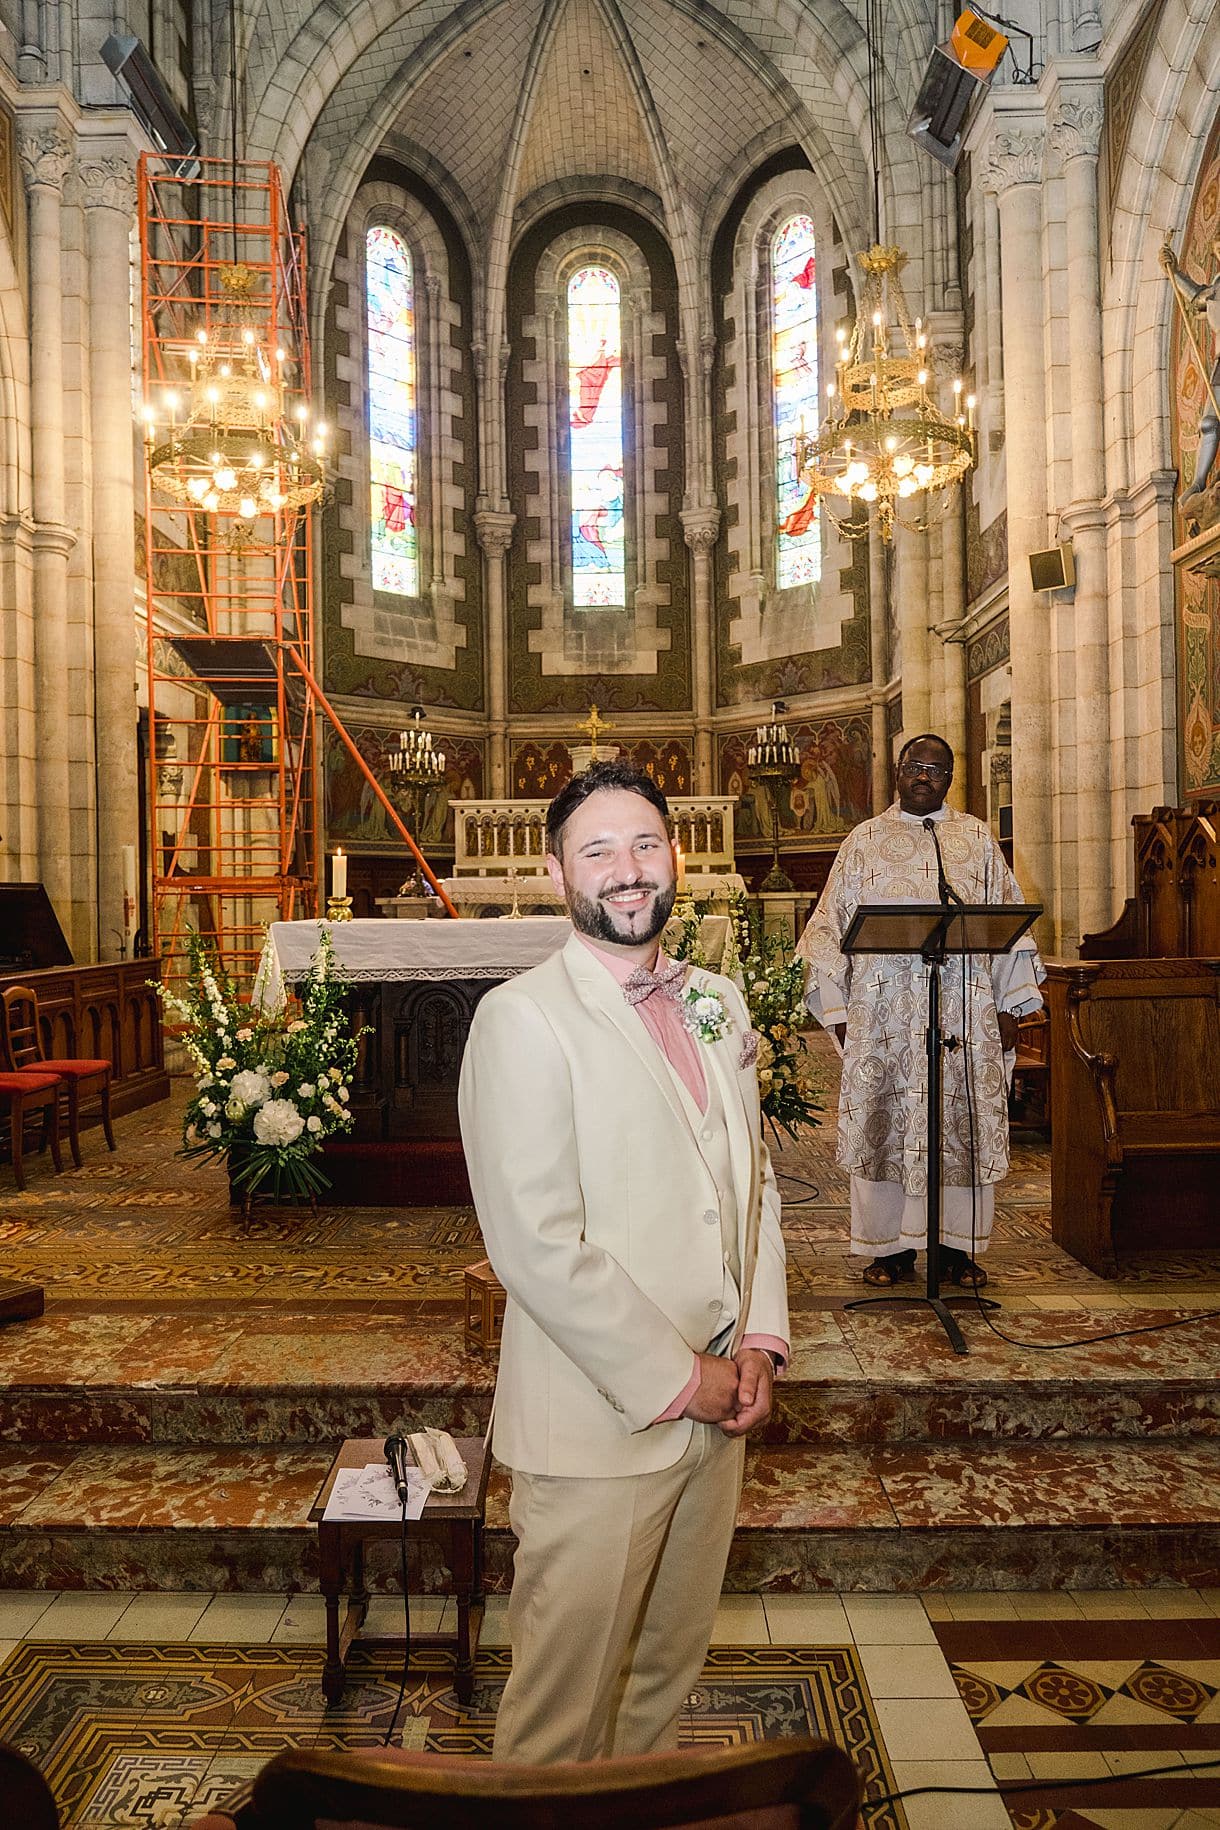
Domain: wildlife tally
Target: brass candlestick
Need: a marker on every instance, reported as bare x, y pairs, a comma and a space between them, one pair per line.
339, 908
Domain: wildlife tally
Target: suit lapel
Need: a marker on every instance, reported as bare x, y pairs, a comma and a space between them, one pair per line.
746, 1152
597, 988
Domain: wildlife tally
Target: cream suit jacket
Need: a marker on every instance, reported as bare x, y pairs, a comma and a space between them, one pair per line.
601, 1217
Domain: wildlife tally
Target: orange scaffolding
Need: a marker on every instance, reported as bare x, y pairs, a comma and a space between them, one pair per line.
233, 702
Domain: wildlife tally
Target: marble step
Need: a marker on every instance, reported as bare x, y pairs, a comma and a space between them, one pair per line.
1028, 1515
885, 1379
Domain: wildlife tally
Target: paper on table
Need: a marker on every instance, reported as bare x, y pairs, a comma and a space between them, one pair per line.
369, 1493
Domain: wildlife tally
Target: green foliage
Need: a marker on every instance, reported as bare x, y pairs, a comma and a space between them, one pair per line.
773, 982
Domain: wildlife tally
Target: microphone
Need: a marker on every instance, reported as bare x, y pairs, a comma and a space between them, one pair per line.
397, 1458
944, 889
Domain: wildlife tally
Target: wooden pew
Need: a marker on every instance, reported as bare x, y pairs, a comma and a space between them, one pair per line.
1135, 1107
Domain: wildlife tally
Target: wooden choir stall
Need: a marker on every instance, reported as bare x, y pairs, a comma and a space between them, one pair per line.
1135, 1058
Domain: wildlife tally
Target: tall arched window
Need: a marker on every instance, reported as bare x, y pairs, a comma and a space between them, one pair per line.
393, 421
794, 394
595, 419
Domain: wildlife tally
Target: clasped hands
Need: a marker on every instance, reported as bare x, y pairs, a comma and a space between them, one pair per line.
736, 1394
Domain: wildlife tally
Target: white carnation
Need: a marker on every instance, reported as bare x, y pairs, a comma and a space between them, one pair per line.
342, 1092
208, 1107
314, 1123
226, 1064
278, 1122
251, 1086
213, 1130
244, 1035
306, 1090
707, 1007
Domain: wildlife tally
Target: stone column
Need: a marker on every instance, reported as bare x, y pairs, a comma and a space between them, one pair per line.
910, 576
494, 528
953, 649
1014, 172
45, 157
1076, 136
109, 194
878, 638
700, 526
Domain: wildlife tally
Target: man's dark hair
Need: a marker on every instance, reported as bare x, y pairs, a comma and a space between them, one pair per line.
598, 775
927, 737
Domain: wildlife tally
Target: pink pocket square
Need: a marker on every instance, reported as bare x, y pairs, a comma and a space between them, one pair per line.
749, 1049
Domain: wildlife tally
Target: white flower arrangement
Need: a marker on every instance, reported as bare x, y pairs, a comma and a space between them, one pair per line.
268, 1091
704, 1013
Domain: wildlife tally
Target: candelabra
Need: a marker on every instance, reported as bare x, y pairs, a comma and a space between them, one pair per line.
415, 768
774, 762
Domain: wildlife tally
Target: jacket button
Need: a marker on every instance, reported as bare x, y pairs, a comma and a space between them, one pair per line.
711, 1217
707, 1135
713, 1308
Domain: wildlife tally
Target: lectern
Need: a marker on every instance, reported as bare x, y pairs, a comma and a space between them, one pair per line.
936, 930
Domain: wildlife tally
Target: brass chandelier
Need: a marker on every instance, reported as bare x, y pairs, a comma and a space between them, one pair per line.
229, 442
885, 439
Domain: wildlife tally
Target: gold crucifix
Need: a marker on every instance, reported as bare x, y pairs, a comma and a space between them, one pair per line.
595, 726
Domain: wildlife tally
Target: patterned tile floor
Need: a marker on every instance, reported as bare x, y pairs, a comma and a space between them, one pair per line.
145, 1710
155, 1289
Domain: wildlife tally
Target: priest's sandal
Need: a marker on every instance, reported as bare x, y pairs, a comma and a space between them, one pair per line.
960, 1270
894, 1268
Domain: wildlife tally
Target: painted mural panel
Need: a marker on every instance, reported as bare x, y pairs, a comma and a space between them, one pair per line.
540, 770
355, 817
1198, 589
832, 793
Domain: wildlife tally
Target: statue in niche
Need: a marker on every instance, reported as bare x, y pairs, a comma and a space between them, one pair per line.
1199, 303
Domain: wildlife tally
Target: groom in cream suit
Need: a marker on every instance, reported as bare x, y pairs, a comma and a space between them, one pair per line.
615, 1151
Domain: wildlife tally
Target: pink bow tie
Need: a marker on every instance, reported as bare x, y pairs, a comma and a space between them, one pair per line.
667, 979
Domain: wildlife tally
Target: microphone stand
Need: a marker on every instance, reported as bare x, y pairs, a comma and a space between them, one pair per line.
934, 956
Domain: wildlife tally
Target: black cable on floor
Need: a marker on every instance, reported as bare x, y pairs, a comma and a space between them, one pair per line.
406, 1614
1019, 1787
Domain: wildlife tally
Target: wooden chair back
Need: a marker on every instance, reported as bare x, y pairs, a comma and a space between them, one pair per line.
28, 1798
795, 1784
20, 1040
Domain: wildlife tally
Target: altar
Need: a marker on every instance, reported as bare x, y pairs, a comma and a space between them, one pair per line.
416, 986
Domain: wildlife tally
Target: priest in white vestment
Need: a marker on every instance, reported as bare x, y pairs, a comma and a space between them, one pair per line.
876, 1005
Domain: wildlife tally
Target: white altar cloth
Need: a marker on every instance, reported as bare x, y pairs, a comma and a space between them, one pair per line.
400, 950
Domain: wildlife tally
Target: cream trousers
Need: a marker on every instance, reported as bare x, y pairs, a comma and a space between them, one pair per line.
615, 1589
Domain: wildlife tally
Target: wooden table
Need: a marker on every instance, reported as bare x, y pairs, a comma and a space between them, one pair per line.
454, 1520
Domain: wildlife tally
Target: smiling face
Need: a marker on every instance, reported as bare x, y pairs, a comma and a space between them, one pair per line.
617, 871
924, 775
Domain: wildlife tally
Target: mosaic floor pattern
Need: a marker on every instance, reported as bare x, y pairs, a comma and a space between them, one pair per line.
1088, 1700
140, 1735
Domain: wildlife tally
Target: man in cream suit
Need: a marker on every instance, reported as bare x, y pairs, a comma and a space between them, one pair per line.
628, 1205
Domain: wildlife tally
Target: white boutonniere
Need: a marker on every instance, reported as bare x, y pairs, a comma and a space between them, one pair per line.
704, 1013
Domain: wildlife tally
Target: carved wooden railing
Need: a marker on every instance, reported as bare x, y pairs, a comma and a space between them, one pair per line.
495, 837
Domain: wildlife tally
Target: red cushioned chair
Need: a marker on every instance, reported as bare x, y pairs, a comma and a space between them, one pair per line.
794, 1784
21, 1048
29, 1092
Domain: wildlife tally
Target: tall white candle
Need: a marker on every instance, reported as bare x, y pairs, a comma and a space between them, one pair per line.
338, 875
130, 900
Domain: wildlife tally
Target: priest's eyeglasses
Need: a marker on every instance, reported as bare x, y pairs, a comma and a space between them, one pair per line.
935, 772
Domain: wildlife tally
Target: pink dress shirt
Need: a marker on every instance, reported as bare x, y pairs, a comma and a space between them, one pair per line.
663, 1021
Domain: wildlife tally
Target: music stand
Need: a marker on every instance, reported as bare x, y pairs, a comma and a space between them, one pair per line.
935, 930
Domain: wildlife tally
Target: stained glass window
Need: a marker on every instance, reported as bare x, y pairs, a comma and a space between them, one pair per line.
393, 444
794, 393
595, 417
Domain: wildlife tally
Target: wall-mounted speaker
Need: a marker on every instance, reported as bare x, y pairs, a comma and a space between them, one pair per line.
1053, 569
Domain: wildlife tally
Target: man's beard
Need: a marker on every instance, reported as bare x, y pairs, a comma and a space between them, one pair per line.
593, 918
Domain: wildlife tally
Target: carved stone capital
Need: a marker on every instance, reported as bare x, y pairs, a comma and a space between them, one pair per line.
700, 526
45, 155
1013, 158
109, 184
494, 528
707, 348
1075, 131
